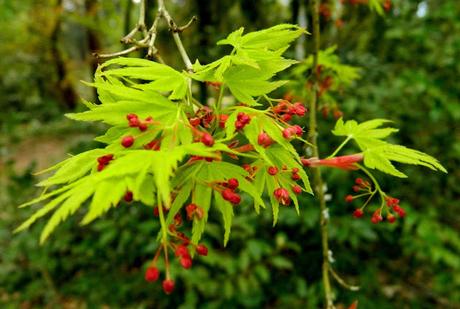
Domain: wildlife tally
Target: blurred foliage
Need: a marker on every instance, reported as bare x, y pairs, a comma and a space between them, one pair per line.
409, 61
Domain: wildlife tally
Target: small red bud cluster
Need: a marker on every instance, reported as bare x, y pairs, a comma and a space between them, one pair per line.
134, 122
153, 145
295, 174
251, 171
181, 252
194, 211
181, 247
103, 161
377, 216
292, 131
282, 195
204, 117
223, 120
229, 193
264, 140
392, 204
286, 110
242, 119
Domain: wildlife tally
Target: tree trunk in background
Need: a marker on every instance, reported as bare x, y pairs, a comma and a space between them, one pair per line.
64, 91
94, 43
127, 19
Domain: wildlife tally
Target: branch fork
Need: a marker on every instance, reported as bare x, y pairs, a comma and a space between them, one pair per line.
150, 35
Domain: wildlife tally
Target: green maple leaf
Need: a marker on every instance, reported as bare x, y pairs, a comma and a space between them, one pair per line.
379, 154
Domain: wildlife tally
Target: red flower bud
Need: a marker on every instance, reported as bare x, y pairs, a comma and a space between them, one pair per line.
207, 139
227, 194
190, 209
297, 189
287, 133
282, 195
286, 117
127, 141
297, 130
358, 213
131, 116
239, 125
195, 121
349, 198
300, 110
128, 196
152, 274
168, 286
232, 183
236, 199
182, 251
273, 170
391, 218
222, 120
202, 250
243, 118
186, 262
376, 219
105, 159
143, 127
264, 140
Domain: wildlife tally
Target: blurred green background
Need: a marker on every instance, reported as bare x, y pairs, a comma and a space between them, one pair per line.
410, 60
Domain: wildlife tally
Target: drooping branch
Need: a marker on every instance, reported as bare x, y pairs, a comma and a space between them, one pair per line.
149, 36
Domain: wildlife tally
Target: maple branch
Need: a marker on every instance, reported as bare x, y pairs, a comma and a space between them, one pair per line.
150, 35
317, 178
175, 32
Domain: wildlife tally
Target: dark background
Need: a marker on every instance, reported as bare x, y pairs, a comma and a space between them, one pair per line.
410, 60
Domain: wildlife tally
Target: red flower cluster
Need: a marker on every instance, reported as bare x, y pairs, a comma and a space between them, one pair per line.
194, 211
103, 161
242, 119
286, 109
134, 122
393, 203
282, 195
264, 140
229, 193
180, 246
204, 117
292, 131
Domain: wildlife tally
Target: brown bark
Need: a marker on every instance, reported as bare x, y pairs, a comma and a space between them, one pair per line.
64, 91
